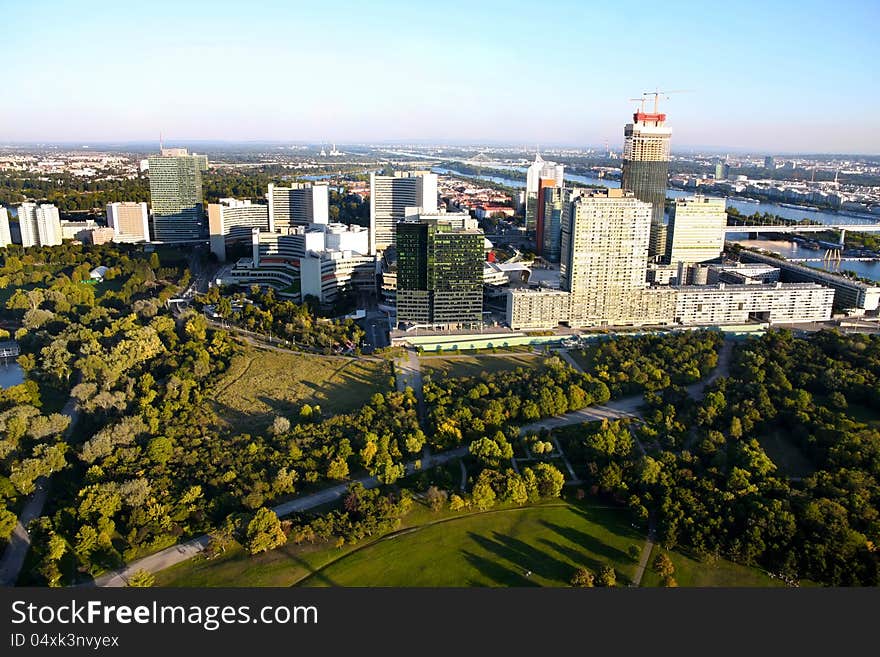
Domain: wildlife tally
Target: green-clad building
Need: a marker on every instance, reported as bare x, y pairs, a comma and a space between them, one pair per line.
176, 195
439, 274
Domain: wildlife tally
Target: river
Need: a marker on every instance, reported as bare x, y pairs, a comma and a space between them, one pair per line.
744, 207
794, 251
788, 249
10, 374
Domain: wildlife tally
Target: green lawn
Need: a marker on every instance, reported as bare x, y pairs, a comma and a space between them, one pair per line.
584, 357
459, 366
787, 456
495, 548
690, 572
262, 384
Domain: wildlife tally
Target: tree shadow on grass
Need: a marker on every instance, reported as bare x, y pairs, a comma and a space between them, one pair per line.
576, 556
526, 557
588, 542
495, 571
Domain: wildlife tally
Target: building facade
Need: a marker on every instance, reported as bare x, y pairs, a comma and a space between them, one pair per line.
553, 176
604, 248
696, 229
439, 274
40, 225
5, 233
231, 220
176, 195
390, 196
130, 221
645, 166
298, 205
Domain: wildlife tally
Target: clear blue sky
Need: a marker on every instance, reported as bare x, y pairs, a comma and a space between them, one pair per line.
766, 75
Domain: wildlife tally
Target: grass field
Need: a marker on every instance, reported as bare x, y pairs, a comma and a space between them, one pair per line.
459, 366
261, 384
690, 572
787, 456
495, 548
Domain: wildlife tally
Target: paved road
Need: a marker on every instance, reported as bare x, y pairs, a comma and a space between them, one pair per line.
185, 551
645, 555
409, 374
20, 541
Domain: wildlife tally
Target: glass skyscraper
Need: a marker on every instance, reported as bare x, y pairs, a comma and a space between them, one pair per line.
176, 195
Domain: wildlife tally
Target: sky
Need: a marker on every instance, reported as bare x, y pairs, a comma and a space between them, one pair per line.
766, 76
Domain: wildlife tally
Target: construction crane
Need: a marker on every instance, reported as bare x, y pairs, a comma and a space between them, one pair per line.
657, 94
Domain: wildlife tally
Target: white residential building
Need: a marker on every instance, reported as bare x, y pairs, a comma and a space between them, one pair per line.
5, 233
390, 196
40, 225
696, 229
299, 204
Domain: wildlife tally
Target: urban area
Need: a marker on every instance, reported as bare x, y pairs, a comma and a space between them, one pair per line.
247, 364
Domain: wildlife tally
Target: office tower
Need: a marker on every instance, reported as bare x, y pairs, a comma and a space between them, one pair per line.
553, 201
605, 256
231, 220
390, 196
40, 225
696, 229
297, 205
176, 195
439, 274
5, 233
540, 170
722, 171
769, 162
130, 221
646, 167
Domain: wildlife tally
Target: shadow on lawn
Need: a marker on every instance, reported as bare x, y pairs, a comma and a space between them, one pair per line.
589, 543
525, 557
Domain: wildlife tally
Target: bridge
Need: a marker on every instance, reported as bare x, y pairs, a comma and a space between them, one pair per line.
9, 349
803, 228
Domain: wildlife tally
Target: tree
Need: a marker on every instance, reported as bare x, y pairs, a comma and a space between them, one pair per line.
663, 565
436, 498
264, 532
582, 578
607, 576
549, 479
142, 578
160, 449
8, 521
280, 425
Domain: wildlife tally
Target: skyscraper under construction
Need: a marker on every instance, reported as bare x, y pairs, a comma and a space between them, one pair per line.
646, 168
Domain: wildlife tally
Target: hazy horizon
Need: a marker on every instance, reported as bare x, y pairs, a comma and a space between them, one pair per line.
756, 78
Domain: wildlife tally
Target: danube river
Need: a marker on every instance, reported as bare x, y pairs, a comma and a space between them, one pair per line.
788, 249
745, 207
10, 374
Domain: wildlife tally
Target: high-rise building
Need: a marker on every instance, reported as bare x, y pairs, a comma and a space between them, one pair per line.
553, 200
298, 205
538, 171
40, 225
696, 229
439, 274
769, 162
390, 196
5, 233
604, 255
176, 195
722, 171
646, 167
130, 221
27, 224
231, 220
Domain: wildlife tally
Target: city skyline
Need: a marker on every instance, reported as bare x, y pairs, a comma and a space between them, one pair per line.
770, 97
